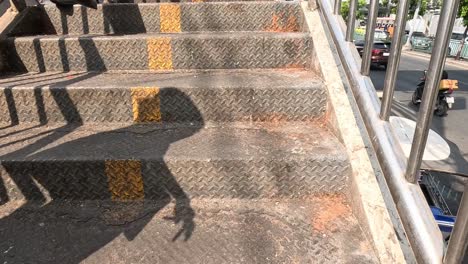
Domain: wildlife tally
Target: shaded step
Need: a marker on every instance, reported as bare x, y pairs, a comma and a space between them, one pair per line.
236, 160
217, 96
166, 18
241, 50
317, 230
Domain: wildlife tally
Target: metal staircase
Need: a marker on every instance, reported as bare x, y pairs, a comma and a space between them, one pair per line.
179, 133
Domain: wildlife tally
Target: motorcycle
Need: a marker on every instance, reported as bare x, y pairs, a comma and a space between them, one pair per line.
444, 100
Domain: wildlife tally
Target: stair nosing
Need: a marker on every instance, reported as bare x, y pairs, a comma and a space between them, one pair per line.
312, 82
198, 35
332, 148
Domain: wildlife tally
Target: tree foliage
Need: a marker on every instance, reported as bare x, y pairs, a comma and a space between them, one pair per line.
463, 11
359, 13
414, 4
412, 7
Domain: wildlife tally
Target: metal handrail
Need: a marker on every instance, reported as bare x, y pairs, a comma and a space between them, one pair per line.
394, 59
458, 242
421, 228
436, 65
427, 251
459, 239
369, 38
351, 21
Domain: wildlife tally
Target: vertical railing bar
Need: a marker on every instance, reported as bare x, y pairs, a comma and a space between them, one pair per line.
369, 40
434, 73
337, 9
458, 242
351, 20
394, 60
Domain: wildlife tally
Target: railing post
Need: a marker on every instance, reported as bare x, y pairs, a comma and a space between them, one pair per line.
351, 20
394, 59
337, 10
436, 64
458, 242
369, 40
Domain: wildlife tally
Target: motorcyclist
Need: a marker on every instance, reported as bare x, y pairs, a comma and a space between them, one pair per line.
420, 88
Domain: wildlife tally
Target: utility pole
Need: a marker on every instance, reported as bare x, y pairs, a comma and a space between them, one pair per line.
413, 25
462, 46
389, 8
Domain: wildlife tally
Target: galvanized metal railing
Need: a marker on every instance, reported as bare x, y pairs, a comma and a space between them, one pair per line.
401, 173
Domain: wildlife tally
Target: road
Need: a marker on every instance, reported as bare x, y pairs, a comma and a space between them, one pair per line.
453, 127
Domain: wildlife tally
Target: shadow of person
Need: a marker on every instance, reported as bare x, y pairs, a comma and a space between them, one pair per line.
87, 188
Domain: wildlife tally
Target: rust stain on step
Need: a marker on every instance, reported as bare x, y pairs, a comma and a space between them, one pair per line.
281, 23
146, 104
330, 209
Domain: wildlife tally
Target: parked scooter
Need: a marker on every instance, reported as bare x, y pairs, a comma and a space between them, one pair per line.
443, 101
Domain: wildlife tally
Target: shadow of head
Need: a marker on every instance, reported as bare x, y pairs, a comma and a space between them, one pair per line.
124, 168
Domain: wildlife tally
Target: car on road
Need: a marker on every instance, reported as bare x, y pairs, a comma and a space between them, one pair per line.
416, 34
380, 52
458, 37
381, 35
421, 43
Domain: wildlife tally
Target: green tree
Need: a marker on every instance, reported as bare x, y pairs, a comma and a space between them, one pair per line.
359, 13
463, 13
390, 5
413, 7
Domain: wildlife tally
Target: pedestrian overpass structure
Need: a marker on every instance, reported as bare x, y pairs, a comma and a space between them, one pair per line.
208, 132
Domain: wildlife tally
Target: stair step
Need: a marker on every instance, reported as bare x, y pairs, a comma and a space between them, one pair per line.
233, 160
208, 96
316, 230
160, 52
165, 18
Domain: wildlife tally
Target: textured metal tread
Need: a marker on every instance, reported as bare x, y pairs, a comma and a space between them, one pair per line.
316, 230
242, 160
275, 78
160, 52
241, 140
195, 35
163, 17
220, 96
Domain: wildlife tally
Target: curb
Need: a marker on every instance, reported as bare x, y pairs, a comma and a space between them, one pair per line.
449, 61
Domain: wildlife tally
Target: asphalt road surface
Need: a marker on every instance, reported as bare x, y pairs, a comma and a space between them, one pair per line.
453, 127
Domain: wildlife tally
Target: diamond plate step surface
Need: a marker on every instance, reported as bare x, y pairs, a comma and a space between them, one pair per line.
160, 52
216, 96
235, 160
315, 230
166, 18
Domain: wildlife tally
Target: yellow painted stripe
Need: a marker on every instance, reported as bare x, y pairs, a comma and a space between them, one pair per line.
125, 180
169, 15
159, 53
146, 104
